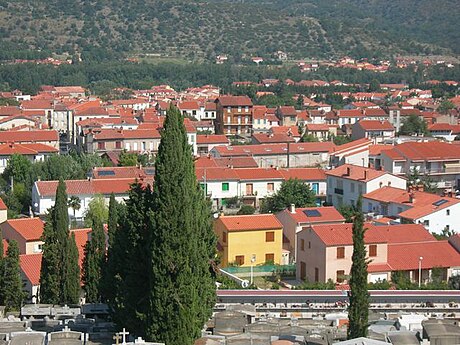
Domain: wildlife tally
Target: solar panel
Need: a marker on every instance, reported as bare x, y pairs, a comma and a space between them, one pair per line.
440, 202
106, 173
312, 213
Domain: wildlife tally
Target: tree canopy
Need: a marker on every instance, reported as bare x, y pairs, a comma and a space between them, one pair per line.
292, 191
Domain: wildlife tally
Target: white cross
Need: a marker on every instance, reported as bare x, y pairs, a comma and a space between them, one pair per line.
124, 334
66, 329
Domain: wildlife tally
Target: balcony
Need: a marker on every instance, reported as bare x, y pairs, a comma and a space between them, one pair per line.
338, 191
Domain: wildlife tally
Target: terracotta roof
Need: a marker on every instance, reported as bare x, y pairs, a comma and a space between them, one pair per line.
36, 104
9, 110
321, 127
2, 205
402, 257
234, 101
274, 149
326, 214
341, 234
88, 187
81, 237
287, 111
263, 138
25, 149
304, 174
30, 229
258, 174
352, 145
92, 111
431, 151
441, 127
216, 174
212, 139
370, 112
28, 136
31, 265
355, 172
375, 125
236, 162
375, 150
5, 246
188, 105
350, 113
121, 172
291, 130
250, 222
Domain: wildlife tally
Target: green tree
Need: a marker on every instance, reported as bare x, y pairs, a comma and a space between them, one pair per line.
183, 243
374, 85
127, 159
17, 169
93, 262
12, 294
97, 211
358, 310
445, 106
414, 124
246, 209
1, 269
71, 290
308, 138
292, 191
74, 203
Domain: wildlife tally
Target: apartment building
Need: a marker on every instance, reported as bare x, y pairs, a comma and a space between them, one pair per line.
234, 115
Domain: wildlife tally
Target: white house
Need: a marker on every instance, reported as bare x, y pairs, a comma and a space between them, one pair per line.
435, 212
355, 152
347, 182
376, 130
33, 152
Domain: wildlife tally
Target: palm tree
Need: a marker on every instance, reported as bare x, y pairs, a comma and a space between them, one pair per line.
75, 203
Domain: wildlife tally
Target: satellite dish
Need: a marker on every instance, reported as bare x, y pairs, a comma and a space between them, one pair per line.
245, 284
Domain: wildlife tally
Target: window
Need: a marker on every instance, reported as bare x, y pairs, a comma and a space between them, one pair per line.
447, 212
239, 260
135, 146
229, 109
309, 245
292, 118
144, 146
224, 237
246, 109
373, 250
225, 187
340, 252
426, 222
340, 276
316, 274
270, 236
101, 145
118, 145
360, 189
302, 244
352, 187
249, 189
270, 258
239, 109
270, 187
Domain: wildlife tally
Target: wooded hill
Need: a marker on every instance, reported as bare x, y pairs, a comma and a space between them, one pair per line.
201, 29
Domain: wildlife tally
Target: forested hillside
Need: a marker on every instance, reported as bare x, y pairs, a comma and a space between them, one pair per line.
201, 29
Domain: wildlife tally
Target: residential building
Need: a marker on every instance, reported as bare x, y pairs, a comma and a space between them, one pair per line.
375, 130
33, 152
287, 115
46, 137
27, 232
234, 115
347, 182
249, 240
30, 273
436, 213
328, 249
294, 219
3, 211
355, 152
439, 160
206, 143
349, 116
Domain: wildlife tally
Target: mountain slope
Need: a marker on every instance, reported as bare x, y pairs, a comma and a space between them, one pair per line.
204, 28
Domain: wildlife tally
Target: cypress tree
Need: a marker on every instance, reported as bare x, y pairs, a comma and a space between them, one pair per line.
358, 310
183, 243
13, 295
49, 273
129, 262
1, 269
71, 282
93, 262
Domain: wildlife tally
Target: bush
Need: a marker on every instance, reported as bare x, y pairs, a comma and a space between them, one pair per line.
246, 209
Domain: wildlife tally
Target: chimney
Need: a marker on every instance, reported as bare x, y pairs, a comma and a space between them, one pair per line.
348, 171
365, 174
412, 197
292, 208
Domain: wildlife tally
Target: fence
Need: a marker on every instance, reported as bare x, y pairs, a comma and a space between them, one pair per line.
263, 270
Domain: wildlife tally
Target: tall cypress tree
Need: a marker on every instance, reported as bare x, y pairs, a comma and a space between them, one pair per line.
129, 262
358, 310
183, 243
13, 295
93, 262
1, 270
60, 273
49, 273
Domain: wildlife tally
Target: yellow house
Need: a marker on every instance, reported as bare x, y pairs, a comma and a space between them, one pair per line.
249, 240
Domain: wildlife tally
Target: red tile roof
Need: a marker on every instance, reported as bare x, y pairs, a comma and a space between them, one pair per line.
31, 265
234, 101
88, 187
304, 174
120, 172
251, 222
327, 214
350, 113
352, 145
355, 172
28, 136
2, 205
216, 174
435, 254
236, 162
212, 139
258, 174
31, 229
377, 112
342, 234
263, 138
375, 125
26, 149
36, 104
113, 134
431, 151
287, 111
188, 105
376, 149
274, 149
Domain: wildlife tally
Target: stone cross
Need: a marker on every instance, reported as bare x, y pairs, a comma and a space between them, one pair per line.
117, 338
124, 334
66, 329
